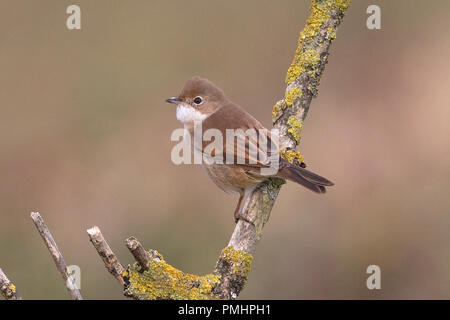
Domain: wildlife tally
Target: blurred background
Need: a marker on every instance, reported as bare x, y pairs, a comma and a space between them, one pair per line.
85, 140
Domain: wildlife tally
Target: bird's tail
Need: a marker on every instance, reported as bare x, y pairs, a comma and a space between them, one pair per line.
304, 177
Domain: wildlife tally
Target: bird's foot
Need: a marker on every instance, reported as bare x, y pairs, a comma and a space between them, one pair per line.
239, 216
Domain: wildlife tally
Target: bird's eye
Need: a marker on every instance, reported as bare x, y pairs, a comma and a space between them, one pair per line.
198, 100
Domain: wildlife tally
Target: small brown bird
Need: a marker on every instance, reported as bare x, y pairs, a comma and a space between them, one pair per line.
201, 101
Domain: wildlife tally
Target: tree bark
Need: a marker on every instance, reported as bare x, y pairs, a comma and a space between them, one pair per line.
7, 288
56, 255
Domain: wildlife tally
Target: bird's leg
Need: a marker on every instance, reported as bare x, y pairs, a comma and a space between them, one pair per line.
239, 212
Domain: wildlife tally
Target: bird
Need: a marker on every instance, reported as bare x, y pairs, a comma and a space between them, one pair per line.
202, 102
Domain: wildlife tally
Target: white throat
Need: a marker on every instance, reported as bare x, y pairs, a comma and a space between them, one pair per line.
187, 114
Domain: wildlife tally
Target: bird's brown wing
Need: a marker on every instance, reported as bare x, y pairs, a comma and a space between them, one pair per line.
233, 117
253, 144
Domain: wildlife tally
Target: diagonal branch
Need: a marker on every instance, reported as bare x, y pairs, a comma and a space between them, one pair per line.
302, 82
56, 255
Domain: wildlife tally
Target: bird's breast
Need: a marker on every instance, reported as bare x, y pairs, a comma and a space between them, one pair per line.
230, 178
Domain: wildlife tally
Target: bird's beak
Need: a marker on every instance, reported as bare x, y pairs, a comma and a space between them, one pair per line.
173, 100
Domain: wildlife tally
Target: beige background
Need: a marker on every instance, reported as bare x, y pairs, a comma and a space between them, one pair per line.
85, 139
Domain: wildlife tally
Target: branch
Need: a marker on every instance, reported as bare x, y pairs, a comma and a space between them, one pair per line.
303, 76
56, 255
110, 260
140, 255
7, 288
288, 114
152, 277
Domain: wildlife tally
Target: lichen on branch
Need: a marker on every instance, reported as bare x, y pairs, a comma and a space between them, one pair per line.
7, 288
160, 280
320, 29
306, 69
288, 114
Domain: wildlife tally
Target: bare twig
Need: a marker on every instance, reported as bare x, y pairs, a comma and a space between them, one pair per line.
138, 252
56, 255
7, 288
110, 260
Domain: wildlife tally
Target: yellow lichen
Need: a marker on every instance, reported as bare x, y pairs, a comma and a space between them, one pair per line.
333, 34
341, 5
291, 155
305, 58
295, 128
276, 110
303, 61
291, 95
239, 261
163, 281
12, 287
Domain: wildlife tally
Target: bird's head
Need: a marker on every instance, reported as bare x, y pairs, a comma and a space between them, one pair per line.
198, 100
